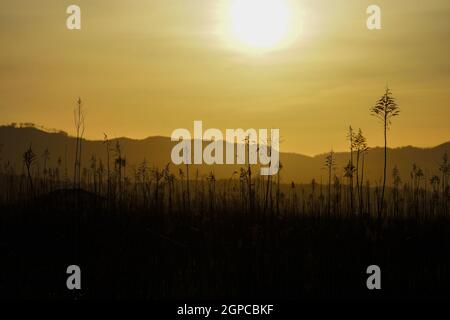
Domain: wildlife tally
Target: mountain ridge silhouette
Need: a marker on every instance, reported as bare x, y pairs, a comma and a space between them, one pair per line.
156, 151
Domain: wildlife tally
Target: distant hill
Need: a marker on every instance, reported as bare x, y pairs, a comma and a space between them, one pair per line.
156, 150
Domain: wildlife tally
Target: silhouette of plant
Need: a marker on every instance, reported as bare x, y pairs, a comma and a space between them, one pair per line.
29, 157
79, 127
350, 167
360, 145
384, 110
330, 163
444, 168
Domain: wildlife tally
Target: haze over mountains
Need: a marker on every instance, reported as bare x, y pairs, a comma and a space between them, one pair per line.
156, 151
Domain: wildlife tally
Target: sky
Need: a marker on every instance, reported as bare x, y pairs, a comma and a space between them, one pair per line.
148, 67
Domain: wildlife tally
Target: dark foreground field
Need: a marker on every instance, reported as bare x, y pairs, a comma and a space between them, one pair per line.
129, 252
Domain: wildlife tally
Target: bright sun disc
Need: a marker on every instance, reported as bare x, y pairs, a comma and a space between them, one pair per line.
260, 24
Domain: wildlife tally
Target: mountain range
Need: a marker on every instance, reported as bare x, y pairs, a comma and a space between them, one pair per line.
156, 151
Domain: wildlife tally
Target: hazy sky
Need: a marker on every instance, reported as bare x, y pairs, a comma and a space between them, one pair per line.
147, 67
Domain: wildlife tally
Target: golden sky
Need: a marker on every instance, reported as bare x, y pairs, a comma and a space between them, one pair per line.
147, 67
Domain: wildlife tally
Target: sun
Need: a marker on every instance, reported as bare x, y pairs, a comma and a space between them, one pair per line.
261, 25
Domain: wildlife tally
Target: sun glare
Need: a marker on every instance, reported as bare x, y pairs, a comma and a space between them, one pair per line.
261, 25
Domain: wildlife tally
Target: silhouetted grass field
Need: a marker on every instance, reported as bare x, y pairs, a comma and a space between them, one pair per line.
163, 236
